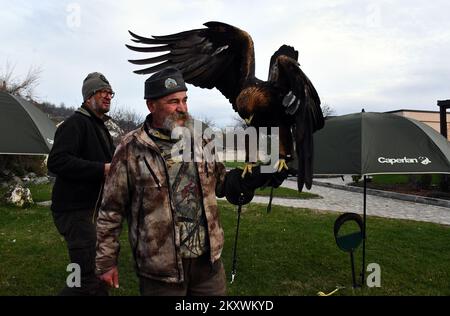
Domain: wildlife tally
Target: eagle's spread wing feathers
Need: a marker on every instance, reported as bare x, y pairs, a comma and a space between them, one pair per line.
220, 56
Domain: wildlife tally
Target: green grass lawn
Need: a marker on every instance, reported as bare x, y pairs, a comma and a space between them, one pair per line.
41, 192
287, 193
287, 252
392, 179
234, 164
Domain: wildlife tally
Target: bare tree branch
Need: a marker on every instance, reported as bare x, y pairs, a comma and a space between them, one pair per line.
18, 86
127, 119
327, 110
238, 122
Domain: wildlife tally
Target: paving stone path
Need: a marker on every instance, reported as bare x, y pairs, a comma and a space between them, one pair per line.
345, 201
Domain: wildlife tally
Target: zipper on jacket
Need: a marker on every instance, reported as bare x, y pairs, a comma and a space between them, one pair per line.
169, 189
203, 206
170, 198
152, 173
138, 226
206, 169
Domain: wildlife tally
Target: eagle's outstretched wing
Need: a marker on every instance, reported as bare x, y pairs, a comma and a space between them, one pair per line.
220, 56
285, 72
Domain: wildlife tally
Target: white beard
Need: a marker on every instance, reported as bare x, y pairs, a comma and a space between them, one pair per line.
171, 122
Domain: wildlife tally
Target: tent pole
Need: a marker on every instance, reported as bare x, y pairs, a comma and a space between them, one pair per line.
364, 236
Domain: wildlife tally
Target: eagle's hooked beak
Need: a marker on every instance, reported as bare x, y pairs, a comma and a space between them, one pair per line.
249, 120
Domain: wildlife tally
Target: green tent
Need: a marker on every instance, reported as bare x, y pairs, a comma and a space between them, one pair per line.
24, 129
368, 143
379, 143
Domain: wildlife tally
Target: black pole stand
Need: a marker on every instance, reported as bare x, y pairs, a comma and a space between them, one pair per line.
269, 206
355, 285
233, 269
363, 271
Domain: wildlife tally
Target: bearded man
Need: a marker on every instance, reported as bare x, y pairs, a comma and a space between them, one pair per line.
169, 202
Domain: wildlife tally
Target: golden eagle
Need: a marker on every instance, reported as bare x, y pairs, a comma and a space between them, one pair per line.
222, 56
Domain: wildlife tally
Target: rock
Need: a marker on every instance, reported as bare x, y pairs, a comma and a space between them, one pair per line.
45, 203
16, 180
6, 173
19, 196
41, 180
26, 179
31, 175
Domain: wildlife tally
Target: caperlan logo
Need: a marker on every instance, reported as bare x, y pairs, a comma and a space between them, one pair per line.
50, 141
423, 160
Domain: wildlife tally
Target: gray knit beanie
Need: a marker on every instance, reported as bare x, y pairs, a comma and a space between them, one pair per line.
94, 82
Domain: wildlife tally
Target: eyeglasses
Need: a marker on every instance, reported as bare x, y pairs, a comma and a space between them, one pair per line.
104, 93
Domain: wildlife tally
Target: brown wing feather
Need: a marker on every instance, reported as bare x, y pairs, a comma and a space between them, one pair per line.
220, 56
287, 75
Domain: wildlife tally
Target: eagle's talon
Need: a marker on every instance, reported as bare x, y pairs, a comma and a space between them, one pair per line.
249, 120
280, 165
247, 169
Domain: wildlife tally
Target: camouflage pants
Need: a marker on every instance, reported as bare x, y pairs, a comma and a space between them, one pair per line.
201, 278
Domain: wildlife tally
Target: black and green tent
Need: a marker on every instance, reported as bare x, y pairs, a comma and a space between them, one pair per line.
368, 143
24, 129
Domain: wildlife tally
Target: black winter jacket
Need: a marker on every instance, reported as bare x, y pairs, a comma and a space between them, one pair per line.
77, 159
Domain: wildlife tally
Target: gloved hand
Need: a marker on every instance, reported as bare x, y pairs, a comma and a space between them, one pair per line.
236, 191
277, 178
240, 190
258, 179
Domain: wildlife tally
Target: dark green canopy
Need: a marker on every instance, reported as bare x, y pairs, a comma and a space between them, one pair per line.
379, 143
24, 129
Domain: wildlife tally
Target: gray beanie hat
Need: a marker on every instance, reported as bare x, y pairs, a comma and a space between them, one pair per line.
94, 82
164, 82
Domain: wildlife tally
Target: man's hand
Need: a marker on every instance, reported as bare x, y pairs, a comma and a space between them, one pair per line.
111, 277
240, 190
277, 178
107, 167
257, 179
236, 191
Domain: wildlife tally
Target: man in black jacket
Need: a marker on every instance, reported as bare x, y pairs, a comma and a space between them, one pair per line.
80, 159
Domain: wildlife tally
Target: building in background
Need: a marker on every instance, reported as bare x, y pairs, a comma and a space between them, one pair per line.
431, 118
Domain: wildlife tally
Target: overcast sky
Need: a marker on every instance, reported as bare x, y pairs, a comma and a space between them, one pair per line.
377, 55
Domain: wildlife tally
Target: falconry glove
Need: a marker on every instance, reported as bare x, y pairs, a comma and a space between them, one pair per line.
241, 190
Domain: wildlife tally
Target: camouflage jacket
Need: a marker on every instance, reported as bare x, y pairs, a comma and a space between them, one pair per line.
137, 188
